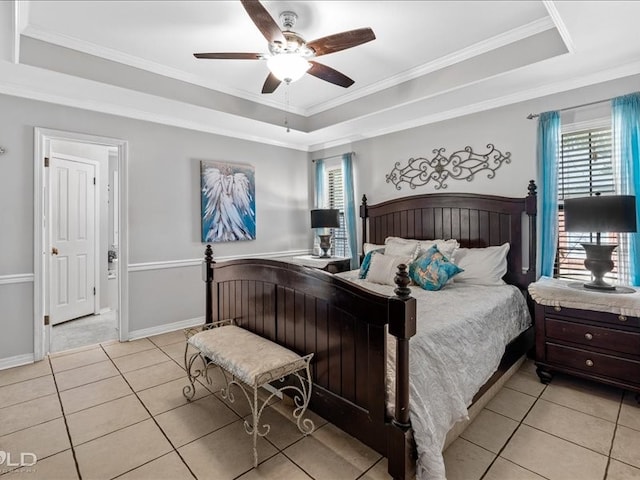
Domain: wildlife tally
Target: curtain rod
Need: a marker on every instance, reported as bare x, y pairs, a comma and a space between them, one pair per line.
333, 156
531, 116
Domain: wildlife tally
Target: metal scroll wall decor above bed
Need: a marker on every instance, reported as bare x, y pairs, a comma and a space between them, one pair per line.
460, 165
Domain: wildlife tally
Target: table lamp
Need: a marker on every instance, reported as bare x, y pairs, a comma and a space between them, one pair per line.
325, 218
600, 213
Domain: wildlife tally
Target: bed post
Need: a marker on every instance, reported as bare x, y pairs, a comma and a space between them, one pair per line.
531, 208
363, 215
402, 325
208, 279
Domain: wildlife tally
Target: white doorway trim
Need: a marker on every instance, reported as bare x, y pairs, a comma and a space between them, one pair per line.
42, 137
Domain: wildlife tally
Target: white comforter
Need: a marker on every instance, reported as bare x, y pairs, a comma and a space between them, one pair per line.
462, 331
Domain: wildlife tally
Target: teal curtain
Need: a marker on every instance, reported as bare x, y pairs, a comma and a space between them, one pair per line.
548, 149
350, 209
626, 127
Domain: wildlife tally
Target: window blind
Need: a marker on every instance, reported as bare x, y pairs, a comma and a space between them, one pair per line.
585, 167
335, 185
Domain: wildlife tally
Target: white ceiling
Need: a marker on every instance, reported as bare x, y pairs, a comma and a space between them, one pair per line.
430, 60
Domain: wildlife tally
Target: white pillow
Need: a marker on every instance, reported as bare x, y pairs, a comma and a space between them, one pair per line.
482, 266
446, 247
368, 247
401, 247
383, 268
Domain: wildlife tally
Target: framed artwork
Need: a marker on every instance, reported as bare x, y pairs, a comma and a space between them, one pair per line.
228, 196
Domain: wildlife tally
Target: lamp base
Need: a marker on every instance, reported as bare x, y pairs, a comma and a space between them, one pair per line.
325, 245
599, 263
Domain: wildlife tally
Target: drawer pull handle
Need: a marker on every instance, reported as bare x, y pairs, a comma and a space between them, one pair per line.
557, 309
588, 336
589, 363
622, 318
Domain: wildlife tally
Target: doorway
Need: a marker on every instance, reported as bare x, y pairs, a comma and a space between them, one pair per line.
80, 231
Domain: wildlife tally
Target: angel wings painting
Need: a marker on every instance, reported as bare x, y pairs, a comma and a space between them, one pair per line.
228, 202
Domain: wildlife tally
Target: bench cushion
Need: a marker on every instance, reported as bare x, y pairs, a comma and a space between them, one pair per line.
244, 354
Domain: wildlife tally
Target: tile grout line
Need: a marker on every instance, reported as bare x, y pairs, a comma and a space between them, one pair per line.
298, 441
66, 424
370, 468
613, 437
24, 379
154, 421
511, 436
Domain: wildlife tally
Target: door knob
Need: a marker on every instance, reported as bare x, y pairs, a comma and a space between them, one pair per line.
54, 251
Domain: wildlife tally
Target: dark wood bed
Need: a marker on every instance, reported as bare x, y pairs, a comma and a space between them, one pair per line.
308, 310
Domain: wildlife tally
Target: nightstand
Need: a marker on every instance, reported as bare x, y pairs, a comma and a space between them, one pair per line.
593, 335
331, 265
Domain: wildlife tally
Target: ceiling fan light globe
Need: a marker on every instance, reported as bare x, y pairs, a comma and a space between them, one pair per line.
288, 67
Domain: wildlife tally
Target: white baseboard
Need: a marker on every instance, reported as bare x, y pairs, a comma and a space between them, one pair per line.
16, 361
166, 328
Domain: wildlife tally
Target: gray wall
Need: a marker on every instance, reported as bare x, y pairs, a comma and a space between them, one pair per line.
164, 210
507, 128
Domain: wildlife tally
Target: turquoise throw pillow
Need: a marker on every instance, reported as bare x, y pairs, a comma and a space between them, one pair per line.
366, 263
432, 270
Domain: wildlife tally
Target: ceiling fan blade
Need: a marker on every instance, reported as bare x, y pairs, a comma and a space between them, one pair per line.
230, 56
341, 41
330, 75
265, 22
271, 83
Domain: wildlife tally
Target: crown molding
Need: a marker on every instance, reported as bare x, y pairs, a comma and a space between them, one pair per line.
44, 85
39, 84
552, 10
40, 33
505, 38
626, 70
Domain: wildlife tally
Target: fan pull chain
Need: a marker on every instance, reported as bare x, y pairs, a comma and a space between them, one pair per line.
286, 107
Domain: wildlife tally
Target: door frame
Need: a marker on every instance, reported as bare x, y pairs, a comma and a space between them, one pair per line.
96, 233
42, 137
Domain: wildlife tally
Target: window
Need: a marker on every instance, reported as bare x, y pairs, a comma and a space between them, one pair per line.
585, 167
335, 190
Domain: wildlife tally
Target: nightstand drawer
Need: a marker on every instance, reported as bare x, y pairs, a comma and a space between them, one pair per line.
600, 337
594, 363
594, 316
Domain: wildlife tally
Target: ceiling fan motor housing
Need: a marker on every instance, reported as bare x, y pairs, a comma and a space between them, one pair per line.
295, 44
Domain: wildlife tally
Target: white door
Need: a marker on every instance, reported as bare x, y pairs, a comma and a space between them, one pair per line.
72, 216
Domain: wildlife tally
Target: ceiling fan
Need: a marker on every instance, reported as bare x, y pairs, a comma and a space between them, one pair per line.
289, 54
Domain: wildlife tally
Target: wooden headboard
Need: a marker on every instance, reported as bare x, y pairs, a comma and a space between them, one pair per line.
474, 220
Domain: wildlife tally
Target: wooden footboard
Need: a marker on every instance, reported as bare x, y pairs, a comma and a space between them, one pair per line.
308, 310
344, 325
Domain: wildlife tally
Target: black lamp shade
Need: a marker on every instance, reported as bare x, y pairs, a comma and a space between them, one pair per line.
600, 213
325, 218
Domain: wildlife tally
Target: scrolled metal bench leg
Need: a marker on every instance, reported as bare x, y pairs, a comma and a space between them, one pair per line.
306, 426
190, 390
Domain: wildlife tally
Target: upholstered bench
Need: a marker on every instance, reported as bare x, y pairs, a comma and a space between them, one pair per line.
251, 362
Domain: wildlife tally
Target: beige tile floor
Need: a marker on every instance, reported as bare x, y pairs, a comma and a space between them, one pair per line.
117, 411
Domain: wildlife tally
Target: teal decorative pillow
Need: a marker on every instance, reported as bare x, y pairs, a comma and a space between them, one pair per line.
366, 262
432, 270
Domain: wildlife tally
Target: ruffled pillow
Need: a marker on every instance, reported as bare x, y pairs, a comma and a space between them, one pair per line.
383, 268
401, 247
366, 261
447, 247
369, 247
432, 270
